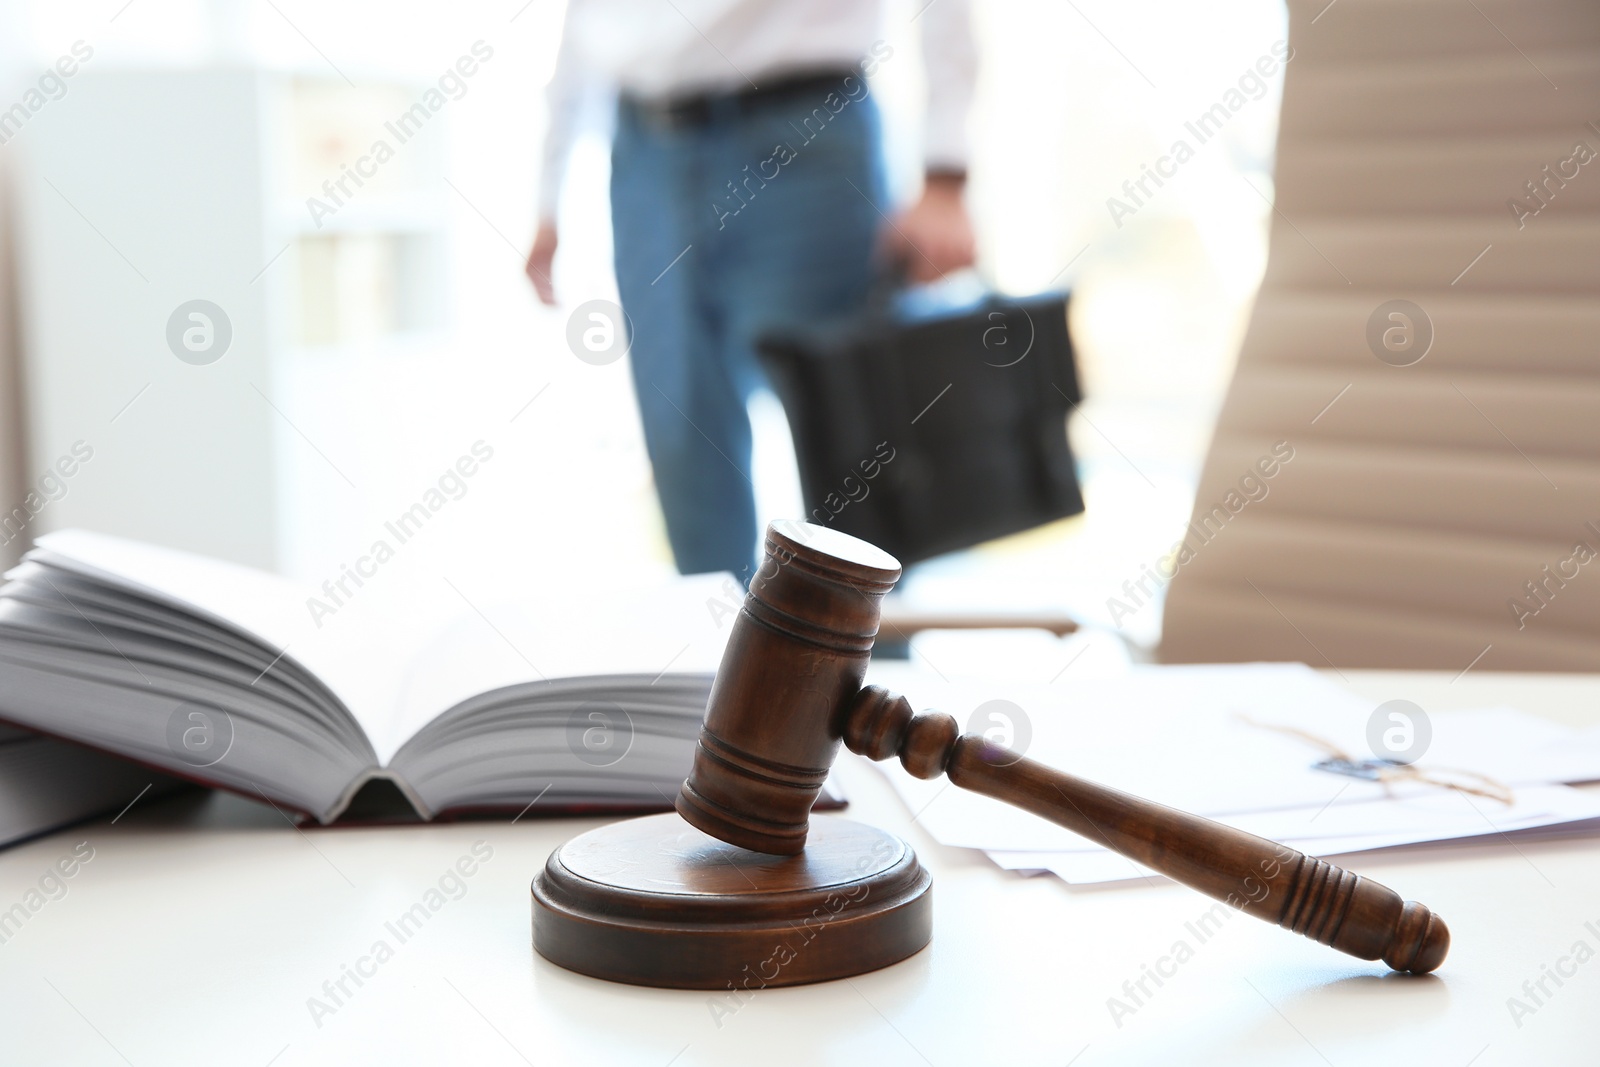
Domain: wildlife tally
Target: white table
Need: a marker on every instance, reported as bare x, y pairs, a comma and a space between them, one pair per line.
199, 929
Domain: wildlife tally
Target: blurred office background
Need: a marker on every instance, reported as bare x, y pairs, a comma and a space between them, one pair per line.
370, 352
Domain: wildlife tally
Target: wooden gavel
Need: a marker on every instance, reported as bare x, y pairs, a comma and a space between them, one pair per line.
790, 689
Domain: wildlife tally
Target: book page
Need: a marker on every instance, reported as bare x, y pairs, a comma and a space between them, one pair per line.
679, 626
400, 655
261, 605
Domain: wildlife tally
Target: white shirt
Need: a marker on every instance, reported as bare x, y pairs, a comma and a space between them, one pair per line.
659, 49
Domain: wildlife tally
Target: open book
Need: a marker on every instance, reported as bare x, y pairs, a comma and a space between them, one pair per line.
234, 678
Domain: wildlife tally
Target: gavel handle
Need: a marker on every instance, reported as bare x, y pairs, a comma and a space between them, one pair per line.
1261, 877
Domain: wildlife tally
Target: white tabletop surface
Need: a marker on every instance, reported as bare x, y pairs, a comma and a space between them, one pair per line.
200, 929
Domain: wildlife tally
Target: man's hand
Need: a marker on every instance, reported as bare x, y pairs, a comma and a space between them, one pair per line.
540, 261
934, 236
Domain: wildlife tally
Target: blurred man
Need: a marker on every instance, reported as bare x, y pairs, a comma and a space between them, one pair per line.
747, 193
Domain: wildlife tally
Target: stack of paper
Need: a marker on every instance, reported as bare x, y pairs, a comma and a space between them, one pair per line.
1200, 739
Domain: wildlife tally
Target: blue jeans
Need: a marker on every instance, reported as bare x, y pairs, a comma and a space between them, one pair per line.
741, 223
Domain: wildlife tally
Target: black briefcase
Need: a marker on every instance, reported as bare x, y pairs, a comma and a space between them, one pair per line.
924, 435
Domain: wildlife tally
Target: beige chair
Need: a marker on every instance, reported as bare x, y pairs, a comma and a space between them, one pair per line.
1448, 154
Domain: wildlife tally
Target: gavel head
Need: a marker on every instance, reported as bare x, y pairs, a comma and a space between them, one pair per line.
796, 657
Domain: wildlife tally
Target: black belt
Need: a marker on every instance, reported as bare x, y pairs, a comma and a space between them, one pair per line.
700, 109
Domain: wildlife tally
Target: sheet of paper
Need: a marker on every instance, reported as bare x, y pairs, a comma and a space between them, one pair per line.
1181, 736
1105, 868
1445, 812
1441, 818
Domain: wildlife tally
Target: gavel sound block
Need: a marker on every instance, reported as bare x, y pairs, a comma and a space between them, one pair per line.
742, 892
